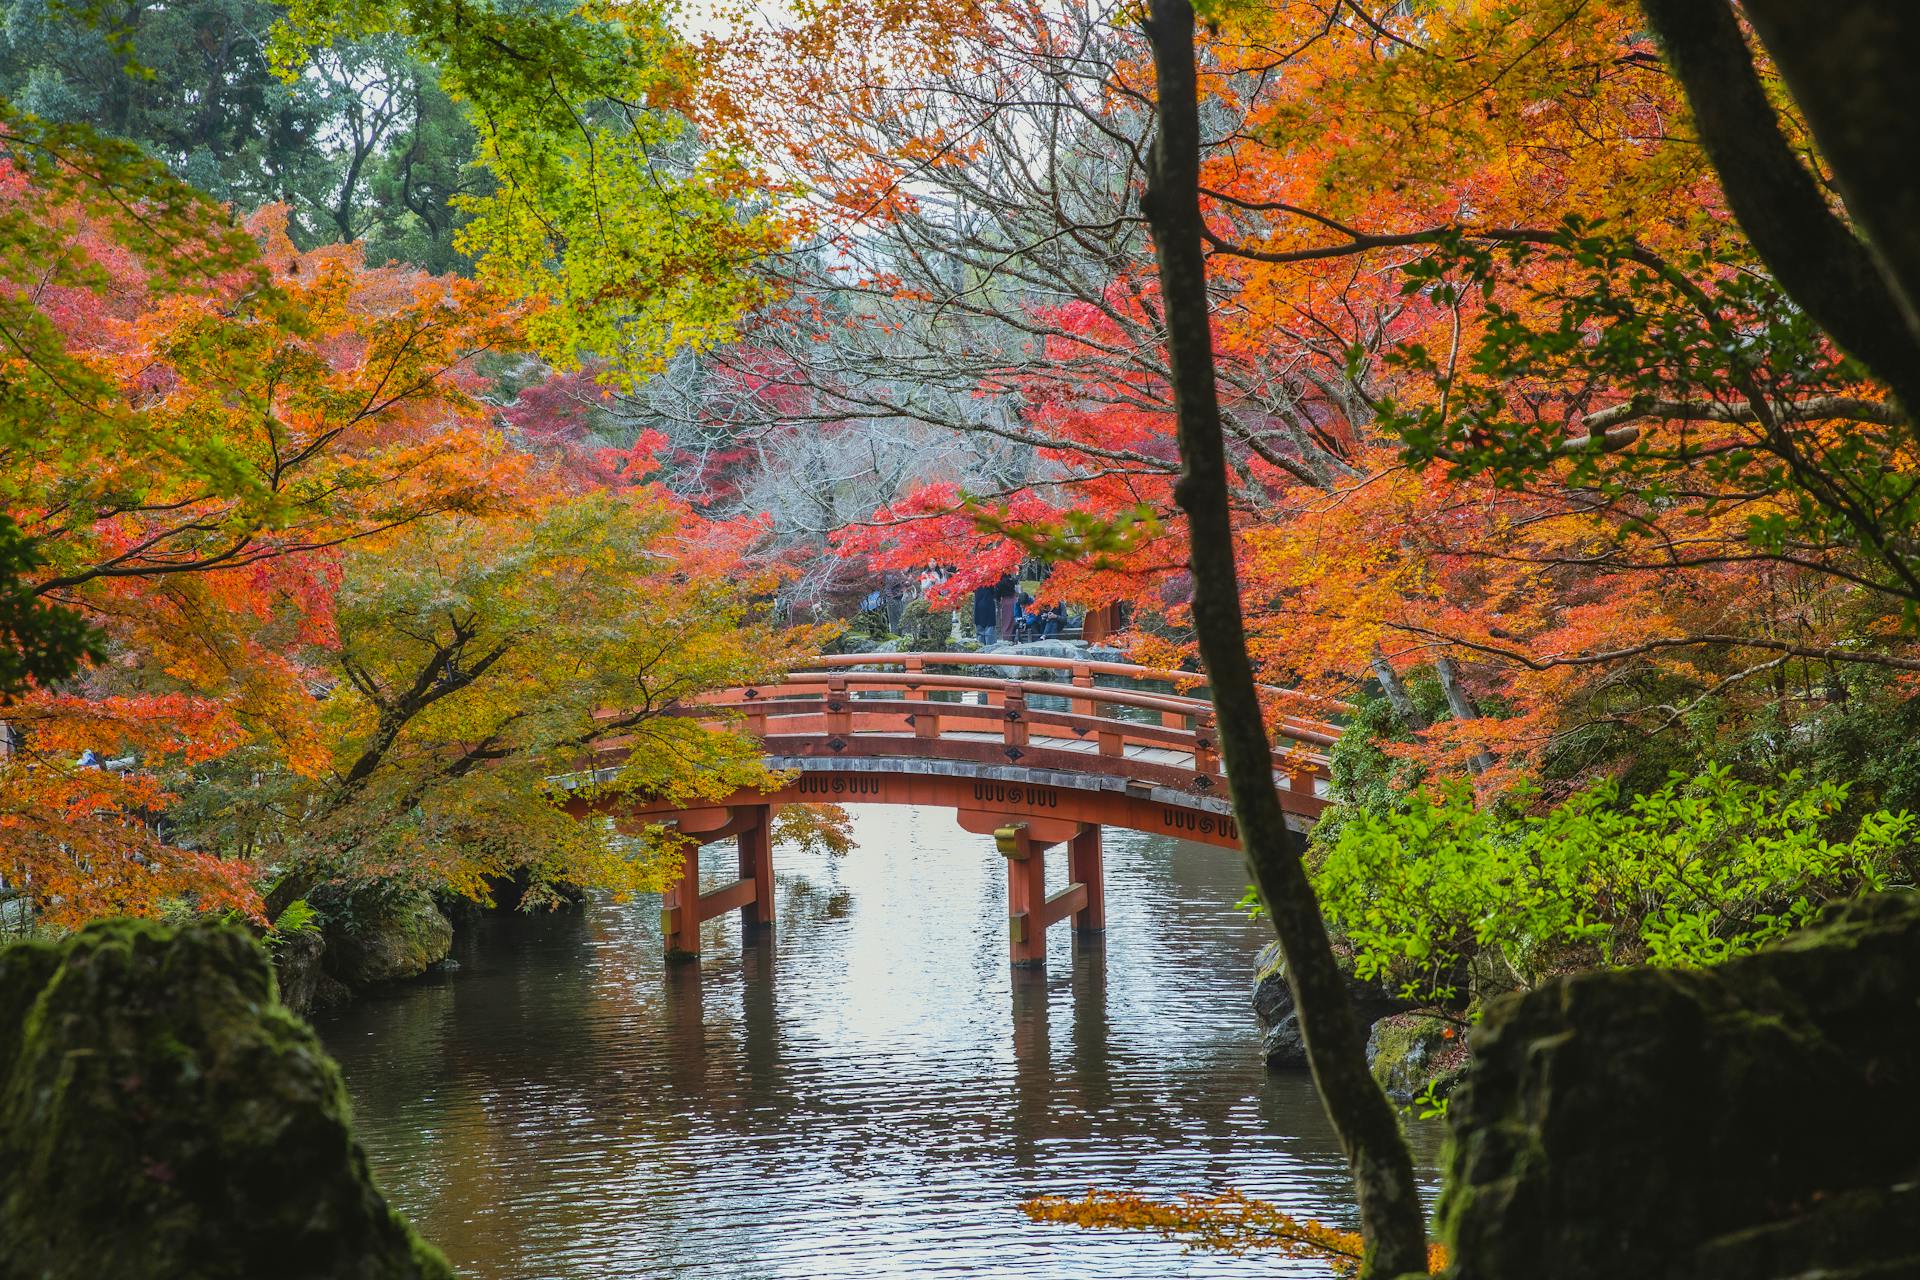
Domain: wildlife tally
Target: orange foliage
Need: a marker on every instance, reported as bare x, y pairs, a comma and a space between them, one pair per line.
1228, 1222
1353, 137
194, 516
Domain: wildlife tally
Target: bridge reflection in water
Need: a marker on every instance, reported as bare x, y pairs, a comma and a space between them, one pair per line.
867, 1092
1036, 763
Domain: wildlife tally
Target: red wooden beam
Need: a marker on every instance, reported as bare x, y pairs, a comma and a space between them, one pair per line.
1069, 901
1012, 800
728, 897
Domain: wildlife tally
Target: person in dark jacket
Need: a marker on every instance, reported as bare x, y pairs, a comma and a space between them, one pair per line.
1005, 596
985, 614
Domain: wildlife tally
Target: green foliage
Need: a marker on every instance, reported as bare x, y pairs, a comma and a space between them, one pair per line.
601, 203
1364, 777
1700, 870
416, 185
188, 81
1704, 343
1431, 1103
363, 144
295, 919
39, 642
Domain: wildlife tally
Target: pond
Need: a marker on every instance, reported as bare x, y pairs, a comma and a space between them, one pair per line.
869, 1093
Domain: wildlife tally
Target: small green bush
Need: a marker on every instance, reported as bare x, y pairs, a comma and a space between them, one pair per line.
1700, 870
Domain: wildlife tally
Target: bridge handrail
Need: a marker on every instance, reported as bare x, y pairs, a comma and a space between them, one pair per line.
985, 658
805, 684
797, 699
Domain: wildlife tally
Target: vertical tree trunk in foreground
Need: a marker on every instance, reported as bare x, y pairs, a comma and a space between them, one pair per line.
1390, 1216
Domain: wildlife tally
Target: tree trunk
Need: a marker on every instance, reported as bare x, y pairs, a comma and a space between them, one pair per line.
1396, 690
1816, 258
1390, 1213
1460, 702
1851, 71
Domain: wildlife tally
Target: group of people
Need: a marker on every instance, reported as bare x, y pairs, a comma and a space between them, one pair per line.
1004, 611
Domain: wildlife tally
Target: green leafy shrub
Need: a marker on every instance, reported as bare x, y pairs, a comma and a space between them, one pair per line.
1700, 870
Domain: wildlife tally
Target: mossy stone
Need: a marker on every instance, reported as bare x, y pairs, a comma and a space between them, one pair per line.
1282, 1044
162, 1115
401, 937
1758, 1120
1408, 1051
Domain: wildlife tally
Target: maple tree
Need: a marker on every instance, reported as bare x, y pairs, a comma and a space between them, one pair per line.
1361, 323
481, 658
604, 205
259, 486
270, 511
210, 446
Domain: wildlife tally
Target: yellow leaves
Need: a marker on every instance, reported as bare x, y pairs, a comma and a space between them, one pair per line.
814, 828
1229, 1222
490, 655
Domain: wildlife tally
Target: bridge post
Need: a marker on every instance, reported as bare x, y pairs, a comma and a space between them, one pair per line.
680, 909
756, 864
683, 908
1083, 867
1026, 895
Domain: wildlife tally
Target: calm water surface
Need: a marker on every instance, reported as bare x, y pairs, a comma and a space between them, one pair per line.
870, 1093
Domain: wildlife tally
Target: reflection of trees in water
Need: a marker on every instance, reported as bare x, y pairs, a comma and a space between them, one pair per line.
802, 902
561, 1071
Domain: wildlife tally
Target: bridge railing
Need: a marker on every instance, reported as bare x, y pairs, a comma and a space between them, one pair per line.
1083, 674
845, 708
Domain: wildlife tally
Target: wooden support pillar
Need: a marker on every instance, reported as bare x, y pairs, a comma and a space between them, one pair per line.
1084, 868
680, 911
1029, 910
1026, 895
756, 865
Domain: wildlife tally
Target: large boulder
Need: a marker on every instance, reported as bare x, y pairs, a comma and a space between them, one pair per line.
1757, 1120
396, 937
1281, 1043
161, 1115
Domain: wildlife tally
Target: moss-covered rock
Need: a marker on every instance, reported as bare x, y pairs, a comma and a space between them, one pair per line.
1408, 1051
299, 969
1757, 1120
923, 630
1281, 1042
396, 937
162, 1115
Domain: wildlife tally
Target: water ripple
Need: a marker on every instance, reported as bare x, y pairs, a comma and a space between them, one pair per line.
870, 1094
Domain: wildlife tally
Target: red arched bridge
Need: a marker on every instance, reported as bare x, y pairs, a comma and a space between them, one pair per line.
1042, 757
